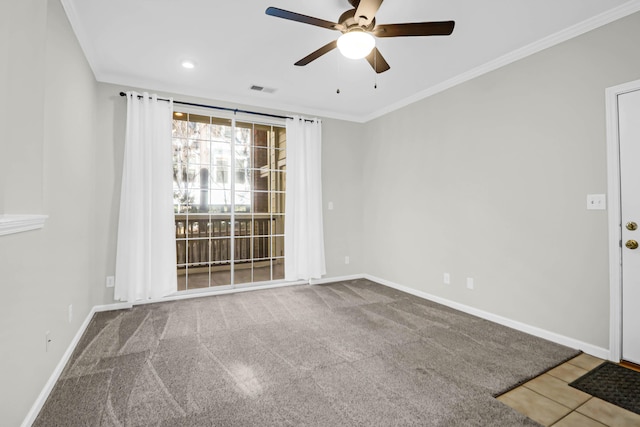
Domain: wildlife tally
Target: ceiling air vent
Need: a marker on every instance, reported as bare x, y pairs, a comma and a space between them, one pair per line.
262, 89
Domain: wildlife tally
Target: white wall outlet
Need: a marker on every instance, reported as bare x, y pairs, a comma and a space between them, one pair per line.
110, 281
347, 260
47, 340
330, 206
596, 202
469, 282
446, 278
70, 312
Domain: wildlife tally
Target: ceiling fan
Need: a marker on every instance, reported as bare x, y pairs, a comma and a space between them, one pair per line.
358, 26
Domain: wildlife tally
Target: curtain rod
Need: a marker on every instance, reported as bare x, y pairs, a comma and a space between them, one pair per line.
235, 110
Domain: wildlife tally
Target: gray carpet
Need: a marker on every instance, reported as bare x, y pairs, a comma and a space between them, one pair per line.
344, 354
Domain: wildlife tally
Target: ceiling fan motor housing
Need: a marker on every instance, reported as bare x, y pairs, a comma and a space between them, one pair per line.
349, 22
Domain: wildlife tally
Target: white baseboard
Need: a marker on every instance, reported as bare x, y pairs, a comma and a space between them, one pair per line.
591, 349
336, 279
523, 327
44, 394
112, 307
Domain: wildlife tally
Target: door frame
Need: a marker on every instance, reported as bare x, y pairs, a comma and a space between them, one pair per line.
614, 217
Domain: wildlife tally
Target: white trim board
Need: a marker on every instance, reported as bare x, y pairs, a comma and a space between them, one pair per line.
532, 330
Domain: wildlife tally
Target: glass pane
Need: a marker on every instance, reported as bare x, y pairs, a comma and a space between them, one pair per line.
278, 202
261, 225
179, 125
278, 269
280, 155
181, 225
260, 179
278, 224
261, 202
220, 201
198, 278
278, 181
220, 226
280, 136
261, 271
242, 136
198, 127
242, 272
196, 226
244, 226
219, 178
197, 252
243, 248
261, 135
196, 150
277, 246
243, 179
259, 158
261, 247
221, 123
182, 279
200, 199
219, 251
243, 201
220, 275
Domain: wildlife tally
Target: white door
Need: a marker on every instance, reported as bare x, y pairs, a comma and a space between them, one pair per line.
629, 134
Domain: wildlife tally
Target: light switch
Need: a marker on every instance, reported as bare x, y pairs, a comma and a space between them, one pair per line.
596, 202
330, 206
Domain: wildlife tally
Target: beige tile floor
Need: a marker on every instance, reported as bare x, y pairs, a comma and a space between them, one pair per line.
549, 400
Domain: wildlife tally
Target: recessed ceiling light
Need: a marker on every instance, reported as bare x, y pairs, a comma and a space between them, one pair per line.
188, 64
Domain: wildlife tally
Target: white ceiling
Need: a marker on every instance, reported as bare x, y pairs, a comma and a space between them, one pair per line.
141, 43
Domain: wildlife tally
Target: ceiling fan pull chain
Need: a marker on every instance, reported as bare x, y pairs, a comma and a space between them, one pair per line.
375, 69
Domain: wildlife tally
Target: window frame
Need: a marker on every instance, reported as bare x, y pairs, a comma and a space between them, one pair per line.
232, 261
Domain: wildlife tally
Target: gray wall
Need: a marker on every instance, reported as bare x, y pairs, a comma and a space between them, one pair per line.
48, 142
489, 180
22, 69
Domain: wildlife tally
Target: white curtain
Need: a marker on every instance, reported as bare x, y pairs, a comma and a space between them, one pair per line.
146, 253
304, 242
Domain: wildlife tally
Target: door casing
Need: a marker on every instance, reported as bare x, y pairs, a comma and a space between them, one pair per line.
615, 226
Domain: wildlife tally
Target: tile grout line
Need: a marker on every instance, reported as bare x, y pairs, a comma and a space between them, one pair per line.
587, 416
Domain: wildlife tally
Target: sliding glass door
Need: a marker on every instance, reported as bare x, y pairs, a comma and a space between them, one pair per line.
229, 182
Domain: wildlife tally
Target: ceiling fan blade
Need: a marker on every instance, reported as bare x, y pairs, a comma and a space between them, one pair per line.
377, 61
292, 16
366, 11
318, 53
443, 28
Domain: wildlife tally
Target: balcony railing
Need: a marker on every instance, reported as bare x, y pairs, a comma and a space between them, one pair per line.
203, 246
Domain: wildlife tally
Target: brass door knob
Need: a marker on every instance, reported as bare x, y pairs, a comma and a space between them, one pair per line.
632, 226
631, 244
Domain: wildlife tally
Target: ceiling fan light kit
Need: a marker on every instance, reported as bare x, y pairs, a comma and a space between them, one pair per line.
356, 44
358, 27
